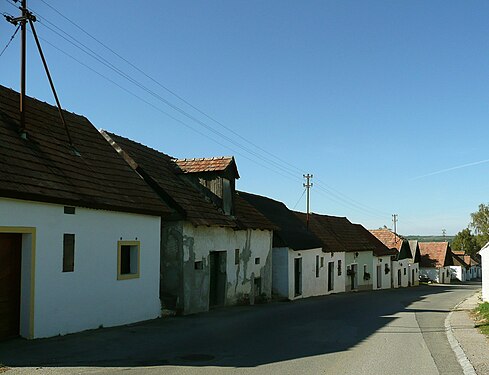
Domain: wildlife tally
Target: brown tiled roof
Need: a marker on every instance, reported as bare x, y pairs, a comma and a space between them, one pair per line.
458, 260
161, 172
380, 248
161, 168
215, 164
44, 168
336, 233
435, 254
388, 238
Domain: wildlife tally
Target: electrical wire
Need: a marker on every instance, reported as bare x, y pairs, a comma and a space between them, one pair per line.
295, 205
328, 191
10, 40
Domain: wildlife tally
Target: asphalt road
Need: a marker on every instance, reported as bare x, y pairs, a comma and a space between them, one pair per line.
383, 332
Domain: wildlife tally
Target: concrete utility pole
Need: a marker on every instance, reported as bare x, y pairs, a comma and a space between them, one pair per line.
308, 186
443, 232
394, 220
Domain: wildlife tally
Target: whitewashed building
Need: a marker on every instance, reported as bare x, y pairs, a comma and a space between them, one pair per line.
79, 249
484, 254
217, 249
303, 265
436, 259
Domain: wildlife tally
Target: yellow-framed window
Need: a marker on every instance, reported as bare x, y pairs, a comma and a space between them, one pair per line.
128, 260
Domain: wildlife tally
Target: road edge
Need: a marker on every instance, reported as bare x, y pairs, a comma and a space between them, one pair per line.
462, 359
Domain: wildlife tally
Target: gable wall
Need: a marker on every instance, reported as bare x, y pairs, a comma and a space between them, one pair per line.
91, 296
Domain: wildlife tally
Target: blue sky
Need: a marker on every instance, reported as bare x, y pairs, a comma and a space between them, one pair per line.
371, 97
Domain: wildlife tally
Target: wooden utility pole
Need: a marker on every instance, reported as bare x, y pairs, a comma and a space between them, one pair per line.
23, 31
308, 186
394, 220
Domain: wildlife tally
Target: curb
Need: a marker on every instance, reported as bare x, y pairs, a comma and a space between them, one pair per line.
462, 359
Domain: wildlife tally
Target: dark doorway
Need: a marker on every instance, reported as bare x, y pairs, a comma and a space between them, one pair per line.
10, 267
379, 276
297, 276
330, 276
399, 278
353, 276
217, 279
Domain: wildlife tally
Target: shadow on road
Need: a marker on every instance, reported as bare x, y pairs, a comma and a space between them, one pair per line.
232, 337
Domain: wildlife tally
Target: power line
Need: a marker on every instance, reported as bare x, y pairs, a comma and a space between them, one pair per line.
10, 40
298, 201
327, 190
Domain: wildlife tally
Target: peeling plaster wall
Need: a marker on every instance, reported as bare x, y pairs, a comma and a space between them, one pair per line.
312, 285
364, 258
171, 271
385, 277
198, 242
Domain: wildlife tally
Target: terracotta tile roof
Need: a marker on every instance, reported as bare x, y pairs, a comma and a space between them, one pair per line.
435, 254
162, 172
215, 164
380, 248
44, 168
388, 238
291, 231
336, 233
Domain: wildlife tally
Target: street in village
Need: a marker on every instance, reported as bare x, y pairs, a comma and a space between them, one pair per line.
398, 331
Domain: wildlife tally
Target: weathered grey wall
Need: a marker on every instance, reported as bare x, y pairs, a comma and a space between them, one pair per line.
171, 272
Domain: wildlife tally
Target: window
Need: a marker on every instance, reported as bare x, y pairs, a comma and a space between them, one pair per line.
68, 252
404, 271
236, 256
317, 265
128, 260
257, 260
322, 262
339, 267
199, 265
69, 210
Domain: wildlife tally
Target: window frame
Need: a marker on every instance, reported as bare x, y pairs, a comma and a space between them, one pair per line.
128, 276
67, 268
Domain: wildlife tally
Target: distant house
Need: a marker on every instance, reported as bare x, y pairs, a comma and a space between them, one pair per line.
79, 229
473, 263
339, 233
383, 259
459, 270
416, 257
436, 259
303, 266
217, 250
405, 271
484, 254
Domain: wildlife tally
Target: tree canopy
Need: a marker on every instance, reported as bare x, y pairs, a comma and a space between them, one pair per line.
465, 241
480, 224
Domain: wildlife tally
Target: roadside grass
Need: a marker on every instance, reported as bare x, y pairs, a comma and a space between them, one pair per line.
482, 317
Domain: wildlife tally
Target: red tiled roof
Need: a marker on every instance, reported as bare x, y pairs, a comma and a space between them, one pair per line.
44, 168
388, 238
435, 254
380, 248
336, 233
215, 164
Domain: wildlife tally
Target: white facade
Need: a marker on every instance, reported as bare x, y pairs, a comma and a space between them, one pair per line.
413, 272
319, 273
458, 273
400, 273
439, 275
484, 253
55, 302
359, 270
382, 269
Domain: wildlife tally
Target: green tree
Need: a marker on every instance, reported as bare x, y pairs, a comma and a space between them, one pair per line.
480, 224
465, 241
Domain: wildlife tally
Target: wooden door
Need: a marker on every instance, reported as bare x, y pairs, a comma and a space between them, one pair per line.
10, 266
379, 276
330, 276
297, 276
218, 278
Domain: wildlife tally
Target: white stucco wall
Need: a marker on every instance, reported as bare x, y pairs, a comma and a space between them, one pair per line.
385, 280
413, 277
457, 273
364, 258
484, 253
438, 275
312, 285
91, 296
199, 241
403, 266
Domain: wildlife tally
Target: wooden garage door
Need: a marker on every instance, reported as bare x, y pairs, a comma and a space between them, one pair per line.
10, 253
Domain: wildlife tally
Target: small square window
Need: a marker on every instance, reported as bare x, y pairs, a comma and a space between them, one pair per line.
257, 260
128, 260
68, 252
199, 265
236, 256
69, 210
